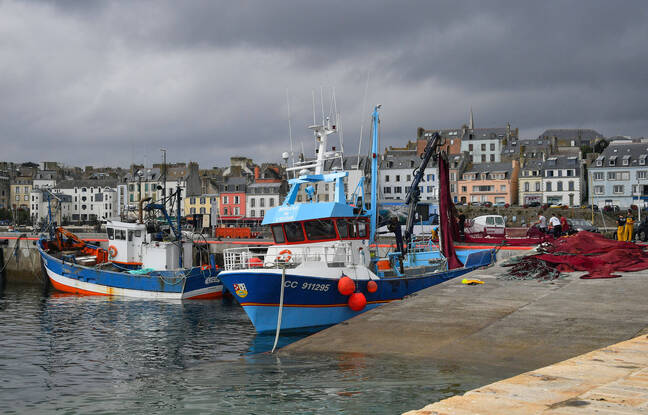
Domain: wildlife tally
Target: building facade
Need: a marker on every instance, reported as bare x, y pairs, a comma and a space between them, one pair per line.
562, 181
490, 182
530, 182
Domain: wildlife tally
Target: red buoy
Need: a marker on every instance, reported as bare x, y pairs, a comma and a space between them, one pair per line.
357, 301
255, 262
346, 286
372, 287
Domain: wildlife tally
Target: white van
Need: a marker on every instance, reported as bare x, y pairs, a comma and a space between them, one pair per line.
487, 225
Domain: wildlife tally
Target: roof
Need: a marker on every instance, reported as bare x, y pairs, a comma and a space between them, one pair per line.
307, 211
569, 133
71, 184
487, 133
401, 160
562, 162
532, 164
634, 153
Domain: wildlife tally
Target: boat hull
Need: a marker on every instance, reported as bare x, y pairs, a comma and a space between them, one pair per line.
311, 301
190, 284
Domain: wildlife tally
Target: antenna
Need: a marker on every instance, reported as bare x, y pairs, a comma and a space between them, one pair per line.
292, 153
314, 122
338, 124
322, 102
364, 104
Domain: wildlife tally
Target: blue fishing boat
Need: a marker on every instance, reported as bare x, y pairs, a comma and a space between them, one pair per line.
325, 267
143, 260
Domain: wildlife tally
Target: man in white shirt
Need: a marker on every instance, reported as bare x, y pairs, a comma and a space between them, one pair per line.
554, 222
542, 222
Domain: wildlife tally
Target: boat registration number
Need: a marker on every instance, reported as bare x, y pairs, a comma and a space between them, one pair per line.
307, 286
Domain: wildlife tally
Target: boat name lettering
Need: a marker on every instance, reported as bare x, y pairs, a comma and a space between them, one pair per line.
211, 280
315, 287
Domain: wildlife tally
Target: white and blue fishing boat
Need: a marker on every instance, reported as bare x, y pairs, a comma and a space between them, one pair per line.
143, 260
324, 266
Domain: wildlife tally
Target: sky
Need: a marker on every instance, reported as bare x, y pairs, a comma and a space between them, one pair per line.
109, 83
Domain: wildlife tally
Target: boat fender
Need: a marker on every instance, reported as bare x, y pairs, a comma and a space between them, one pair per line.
346, 286
372, 287
112, 251
471, 282
284, 256
357, 301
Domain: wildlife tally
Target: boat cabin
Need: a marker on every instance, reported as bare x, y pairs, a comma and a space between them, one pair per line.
130, 245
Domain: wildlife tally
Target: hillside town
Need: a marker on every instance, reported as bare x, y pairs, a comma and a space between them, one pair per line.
488, 167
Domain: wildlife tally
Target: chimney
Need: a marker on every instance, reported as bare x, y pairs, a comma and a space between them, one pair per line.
257, 173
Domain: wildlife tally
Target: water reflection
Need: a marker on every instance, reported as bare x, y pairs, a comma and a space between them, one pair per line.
100, 354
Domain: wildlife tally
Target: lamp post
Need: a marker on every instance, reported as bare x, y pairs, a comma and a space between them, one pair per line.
164, 173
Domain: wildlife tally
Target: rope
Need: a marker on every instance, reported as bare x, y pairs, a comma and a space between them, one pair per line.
281, 299
14, 253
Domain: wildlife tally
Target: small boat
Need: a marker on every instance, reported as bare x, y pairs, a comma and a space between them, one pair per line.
491, 229
142, 261
324, 266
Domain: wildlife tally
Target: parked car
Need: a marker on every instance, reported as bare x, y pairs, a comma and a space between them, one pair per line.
500, 204
534, 204
641, 231
577, 225
487, 204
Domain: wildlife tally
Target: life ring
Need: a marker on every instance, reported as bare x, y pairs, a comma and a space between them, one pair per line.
284, 256
112, 251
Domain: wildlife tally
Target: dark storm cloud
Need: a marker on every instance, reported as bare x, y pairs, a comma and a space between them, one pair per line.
112, 82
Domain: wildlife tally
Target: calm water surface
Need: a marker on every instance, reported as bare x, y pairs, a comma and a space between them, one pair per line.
79, 354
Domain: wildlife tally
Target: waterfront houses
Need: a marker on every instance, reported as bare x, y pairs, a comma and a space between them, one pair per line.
490, 182
20, 188
396, 174
562, 181
530, 182
619, 176
5, 191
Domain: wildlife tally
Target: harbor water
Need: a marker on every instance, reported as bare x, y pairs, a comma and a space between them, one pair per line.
79, 354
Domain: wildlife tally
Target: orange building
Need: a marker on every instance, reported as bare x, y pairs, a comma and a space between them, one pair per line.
490, 182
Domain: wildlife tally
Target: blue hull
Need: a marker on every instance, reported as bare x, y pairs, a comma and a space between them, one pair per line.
312, 301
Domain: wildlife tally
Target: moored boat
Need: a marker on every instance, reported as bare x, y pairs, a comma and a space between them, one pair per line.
142, 261
324, 267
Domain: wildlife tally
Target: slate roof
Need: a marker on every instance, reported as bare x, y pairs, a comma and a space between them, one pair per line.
562, 162
570, 133
633, 152
490, 167
71, 184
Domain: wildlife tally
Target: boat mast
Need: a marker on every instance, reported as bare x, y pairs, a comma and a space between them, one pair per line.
374, 172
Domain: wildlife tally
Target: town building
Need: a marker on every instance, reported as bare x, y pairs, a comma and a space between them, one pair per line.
490, 182
5, 191
530, 182
571, 137
267, 191
562, 180
396, 172
619, 176
44, 179
232, 195
20, 188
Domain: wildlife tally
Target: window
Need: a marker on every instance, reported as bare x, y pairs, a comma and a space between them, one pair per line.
527, 185
225, 211
490, 220
225, 199
236, 200
470, 147
26, 198
252, 202
464, 189
409, 178
386, 178
294, 232
192, 200
483, 158
398, 177
252, 213
492, 146
236, 211
111, 233
483, 147
386, 189
192, 210
642, 174
559, 186
320, 229
492, 157
362, 229
26, 189
453, 176
343, 228
599, 175
130, 236
398, 189
272, 201
571, 185
277, 233
120, 234
502, 188
548, 186
617, 188
537, 186
262, 202
202, 200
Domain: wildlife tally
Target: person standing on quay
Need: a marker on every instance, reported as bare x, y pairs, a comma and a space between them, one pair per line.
629, 225
620, 228
564, 226
555, 225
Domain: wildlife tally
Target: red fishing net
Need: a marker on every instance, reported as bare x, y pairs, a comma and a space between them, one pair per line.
591, 252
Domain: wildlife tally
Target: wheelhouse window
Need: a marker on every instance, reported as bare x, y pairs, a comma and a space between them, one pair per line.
362, 229
294, 232
343, 228
320, 229
111, 233
277, 233
120, 234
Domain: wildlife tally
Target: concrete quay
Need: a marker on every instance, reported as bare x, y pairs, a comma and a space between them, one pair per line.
611, 380
501, 327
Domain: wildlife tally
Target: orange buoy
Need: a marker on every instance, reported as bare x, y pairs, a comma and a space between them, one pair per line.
255, 262
346, 286
372, 287
357, 301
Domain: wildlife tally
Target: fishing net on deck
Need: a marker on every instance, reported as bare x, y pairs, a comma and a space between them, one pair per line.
585, 251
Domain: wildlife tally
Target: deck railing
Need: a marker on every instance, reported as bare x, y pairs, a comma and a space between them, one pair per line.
342, 254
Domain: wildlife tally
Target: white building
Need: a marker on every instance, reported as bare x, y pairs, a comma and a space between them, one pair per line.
397, 172
562, 181
90, 200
